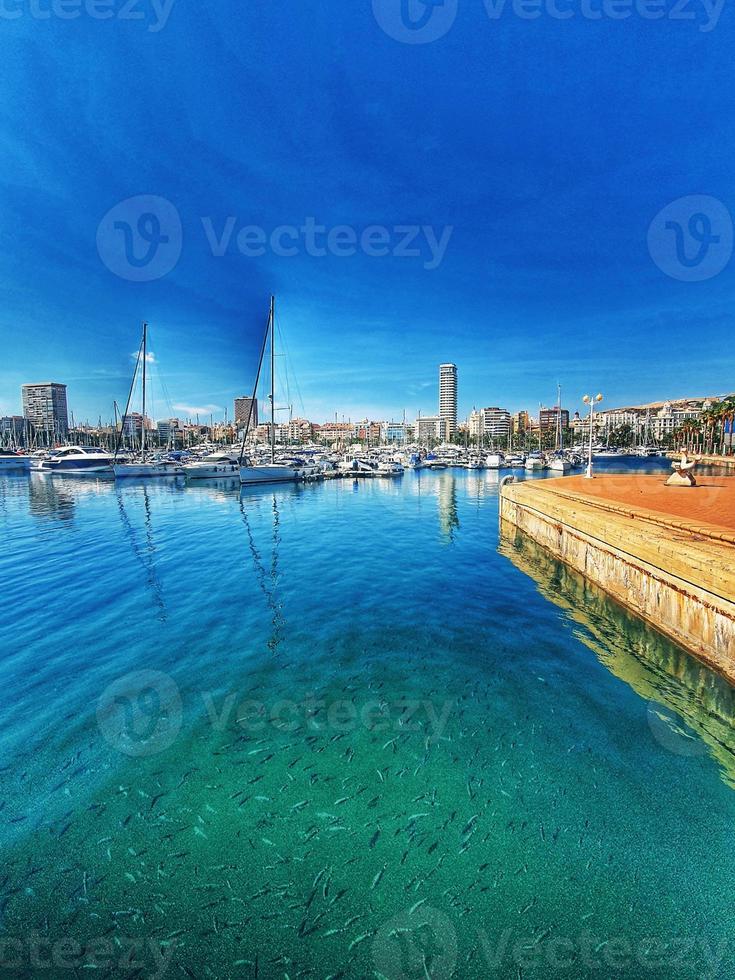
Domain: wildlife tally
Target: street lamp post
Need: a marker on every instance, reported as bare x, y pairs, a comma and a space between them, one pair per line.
591, 400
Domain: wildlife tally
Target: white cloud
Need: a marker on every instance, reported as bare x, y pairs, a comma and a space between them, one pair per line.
201, 410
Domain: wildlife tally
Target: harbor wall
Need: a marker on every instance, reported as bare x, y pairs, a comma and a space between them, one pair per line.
681, 582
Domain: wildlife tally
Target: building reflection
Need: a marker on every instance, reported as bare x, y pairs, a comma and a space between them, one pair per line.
677, 686
50, 499
447, 500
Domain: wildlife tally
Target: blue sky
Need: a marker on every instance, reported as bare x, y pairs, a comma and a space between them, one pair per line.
543, 147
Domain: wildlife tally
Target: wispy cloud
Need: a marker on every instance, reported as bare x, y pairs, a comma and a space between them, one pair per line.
192, 410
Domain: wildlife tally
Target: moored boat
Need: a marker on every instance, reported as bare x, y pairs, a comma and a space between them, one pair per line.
75, 460
12, 461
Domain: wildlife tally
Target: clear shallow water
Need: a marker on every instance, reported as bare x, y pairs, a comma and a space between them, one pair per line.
344, 730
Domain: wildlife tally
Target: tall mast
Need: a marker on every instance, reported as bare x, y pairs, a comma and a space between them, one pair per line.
559, 435
273, 379
142, 424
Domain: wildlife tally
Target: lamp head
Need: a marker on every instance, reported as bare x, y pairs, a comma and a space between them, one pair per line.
598, 398
587, 399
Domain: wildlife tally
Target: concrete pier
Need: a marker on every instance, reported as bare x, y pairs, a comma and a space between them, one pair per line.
666, 553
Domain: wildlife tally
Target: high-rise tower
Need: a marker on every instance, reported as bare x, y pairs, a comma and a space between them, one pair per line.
448, 399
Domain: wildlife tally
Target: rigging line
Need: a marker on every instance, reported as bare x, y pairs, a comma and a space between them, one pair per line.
255, 392
147, 565
295, 375
130, 395
262, 576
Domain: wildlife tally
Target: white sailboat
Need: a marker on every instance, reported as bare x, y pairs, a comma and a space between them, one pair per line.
142, 469
272, 472
559, 463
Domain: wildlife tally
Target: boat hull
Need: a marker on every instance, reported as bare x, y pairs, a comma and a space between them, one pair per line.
74, 467
251, 475
215, 472
15, 464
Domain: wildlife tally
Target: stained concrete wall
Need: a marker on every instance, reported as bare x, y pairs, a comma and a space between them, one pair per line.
679, 583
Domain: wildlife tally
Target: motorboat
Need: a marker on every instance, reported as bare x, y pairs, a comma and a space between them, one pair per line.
515, 462
560, 464
215, 466
535, 462
75, 460
495, 461
12, 461
387, 467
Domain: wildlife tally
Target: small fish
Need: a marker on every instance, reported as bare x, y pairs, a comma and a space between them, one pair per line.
377, 878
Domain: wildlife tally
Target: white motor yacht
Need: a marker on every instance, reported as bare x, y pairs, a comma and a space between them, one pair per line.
535, 462
495, 461
387, 467
74, 460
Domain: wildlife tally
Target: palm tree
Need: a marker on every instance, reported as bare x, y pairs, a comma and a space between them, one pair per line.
690, 428
710, 419
726, 415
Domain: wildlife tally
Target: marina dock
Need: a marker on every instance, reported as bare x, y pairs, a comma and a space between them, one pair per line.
666, 553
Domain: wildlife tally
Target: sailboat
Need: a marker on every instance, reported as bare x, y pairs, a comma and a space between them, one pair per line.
272, 472
142, 469
559, 463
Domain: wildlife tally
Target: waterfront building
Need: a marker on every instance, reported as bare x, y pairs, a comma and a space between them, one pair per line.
337, 432
448, 399
371, 432
427, 429
170, 432
496, 423
242, 412
521, 422
394, 432
45, 407
15, 431
474, 423
132, 425
548, 418
300, 430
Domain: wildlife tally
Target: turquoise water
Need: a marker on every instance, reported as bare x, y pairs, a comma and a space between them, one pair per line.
343, 730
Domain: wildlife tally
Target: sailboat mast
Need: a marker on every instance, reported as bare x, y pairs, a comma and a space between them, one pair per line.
559, 431
142, 424
273, 379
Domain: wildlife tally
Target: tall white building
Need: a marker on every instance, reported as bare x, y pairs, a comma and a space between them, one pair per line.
448, 399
